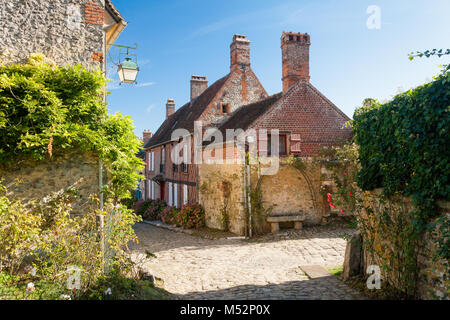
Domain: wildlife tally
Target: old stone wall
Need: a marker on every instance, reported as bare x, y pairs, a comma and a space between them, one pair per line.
433, 279
30, 180
294, 191
66, 31
221, 194
289, 191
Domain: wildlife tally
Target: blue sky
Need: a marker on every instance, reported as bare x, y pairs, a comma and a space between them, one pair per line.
348, 61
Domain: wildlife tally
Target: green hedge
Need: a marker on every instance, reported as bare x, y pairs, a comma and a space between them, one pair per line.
404, 144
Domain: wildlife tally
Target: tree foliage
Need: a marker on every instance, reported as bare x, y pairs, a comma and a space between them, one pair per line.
44, 108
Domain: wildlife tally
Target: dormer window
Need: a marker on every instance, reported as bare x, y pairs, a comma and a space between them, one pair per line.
225, 108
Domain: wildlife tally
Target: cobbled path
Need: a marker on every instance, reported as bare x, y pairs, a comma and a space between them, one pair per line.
265, 268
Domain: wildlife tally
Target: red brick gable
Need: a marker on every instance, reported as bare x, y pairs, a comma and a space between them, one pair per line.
311, 119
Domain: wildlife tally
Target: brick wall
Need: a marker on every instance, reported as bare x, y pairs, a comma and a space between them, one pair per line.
309, 119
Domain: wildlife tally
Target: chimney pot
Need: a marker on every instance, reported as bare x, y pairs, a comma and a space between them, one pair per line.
170, 107
198, 85
295, 58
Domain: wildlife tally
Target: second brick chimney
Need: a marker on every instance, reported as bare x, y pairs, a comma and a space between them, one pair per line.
146, 135
240, 52
170, 107
198, 85
295, 58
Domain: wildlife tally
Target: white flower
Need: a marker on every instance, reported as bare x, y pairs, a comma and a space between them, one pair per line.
65, 297
30, 287
108, 291
33, 272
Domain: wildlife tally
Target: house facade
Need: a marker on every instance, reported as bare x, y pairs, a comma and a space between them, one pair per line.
300, 119
213, 105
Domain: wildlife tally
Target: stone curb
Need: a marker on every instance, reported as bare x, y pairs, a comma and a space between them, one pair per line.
159, 224
162, 225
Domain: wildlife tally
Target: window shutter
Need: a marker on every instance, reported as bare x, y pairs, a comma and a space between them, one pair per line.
263, 144
295, 142
185, 194
175, 195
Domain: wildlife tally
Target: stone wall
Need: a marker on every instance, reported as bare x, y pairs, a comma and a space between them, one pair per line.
290, 191
221, 192
433, 280
30, 180
66, 31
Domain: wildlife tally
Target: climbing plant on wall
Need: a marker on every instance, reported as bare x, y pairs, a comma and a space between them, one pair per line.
46, 108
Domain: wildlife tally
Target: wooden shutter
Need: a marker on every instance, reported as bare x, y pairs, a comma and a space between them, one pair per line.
295, 142
263, 143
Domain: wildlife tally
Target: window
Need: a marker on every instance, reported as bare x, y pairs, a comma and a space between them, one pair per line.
175, 195
281, 144
174, 167
185, 194
163, 158
148, 161
153, 161
184, 167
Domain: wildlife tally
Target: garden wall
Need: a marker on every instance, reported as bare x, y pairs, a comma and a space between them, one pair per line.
35, 180
289, 191
433, 275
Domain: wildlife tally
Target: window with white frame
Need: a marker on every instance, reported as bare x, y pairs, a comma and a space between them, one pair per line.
185, 194
170, 194
148, 161
175, 195
153, 161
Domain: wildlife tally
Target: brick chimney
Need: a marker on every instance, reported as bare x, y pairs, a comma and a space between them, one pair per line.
295, 58
240, 52
198, 85
146, 135
170, 107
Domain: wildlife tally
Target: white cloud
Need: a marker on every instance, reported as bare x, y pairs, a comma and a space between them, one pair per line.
150, 108
145, 84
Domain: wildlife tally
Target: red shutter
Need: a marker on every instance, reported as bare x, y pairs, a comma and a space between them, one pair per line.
295, 142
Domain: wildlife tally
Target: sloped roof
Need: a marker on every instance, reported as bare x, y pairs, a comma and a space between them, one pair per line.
113, 11
243, 117
185, 116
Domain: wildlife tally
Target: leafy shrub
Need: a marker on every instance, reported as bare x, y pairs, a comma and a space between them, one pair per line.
46, 108
169, 215
19, 233
53, 242
191, 216
149, 209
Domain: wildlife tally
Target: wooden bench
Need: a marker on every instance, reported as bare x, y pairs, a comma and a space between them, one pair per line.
275, 221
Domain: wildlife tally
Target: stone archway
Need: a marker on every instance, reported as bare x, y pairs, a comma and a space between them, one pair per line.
290, 191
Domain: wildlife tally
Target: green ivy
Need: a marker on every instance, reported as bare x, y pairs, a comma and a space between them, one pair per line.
46, 108
403, 145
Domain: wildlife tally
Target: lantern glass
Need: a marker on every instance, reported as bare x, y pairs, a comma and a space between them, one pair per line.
128, 71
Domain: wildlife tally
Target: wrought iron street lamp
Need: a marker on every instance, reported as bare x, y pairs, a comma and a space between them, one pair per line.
128, 69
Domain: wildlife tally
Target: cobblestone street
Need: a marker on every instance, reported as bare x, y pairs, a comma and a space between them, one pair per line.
265, 268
